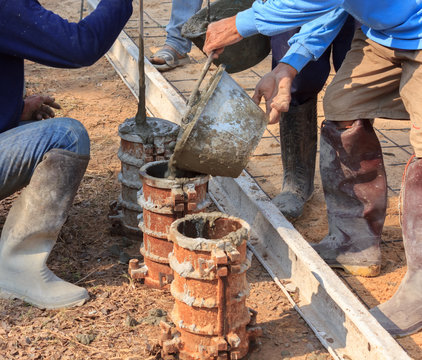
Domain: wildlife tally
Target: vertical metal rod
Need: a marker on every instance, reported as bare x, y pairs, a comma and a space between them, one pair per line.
141, 117
82, 10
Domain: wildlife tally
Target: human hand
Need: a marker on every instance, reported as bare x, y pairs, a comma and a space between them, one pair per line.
38, 107
275, 88
221, 34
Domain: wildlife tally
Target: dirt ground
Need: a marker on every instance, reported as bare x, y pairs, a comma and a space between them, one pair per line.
119, 321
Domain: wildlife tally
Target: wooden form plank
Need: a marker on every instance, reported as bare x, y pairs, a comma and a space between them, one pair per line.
339, 320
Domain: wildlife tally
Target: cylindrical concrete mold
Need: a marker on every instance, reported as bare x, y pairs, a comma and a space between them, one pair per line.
135, 151
209, 261
164, 200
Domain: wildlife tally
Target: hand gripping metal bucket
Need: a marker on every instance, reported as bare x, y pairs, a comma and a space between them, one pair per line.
237, 57
220, 130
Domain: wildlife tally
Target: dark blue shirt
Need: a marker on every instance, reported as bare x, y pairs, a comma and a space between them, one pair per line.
29, 31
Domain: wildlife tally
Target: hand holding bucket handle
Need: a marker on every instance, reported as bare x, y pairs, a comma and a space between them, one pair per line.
221, 34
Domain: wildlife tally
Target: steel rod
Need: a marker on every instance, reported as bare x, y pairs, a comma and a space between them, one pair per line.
141, 116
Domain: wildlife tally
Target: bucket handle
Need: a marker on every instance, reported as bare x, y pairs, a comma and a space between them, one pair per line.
195, 92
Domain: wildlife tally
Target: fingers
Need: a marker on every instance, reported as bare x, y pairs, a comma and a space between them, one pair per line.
46, 110
274, 117
50, 101
257, 96
42, 107
217, 53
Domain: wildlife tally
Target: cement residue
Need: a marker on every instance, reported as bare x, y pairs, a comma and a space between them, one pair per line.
149, 232
190, 300
155, 175
129, 183
155, 316
201, 220
193, 328
187, 270
184, 269
245, 265
129, 159
150, 205
148, 132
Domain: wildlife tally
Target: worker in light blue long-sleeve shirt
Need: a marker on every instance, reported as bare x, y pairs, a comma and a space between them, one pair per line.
380, 77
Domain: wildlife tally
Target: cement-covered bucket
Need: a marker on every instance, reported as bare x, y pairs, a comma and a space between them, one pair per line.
221, 130
241, 56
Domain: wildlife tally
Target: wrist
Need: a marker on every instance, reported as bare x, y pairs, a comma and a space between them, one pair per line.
285, 70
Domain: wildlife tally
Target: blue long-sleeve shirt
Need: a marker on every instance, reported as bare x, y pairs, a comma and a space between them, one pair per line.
29, 31
392, 23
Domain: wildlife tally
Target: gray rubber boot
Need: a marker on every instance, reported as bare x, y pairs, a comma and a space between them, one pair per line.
31, 230
355, 189
402, 314
298, 142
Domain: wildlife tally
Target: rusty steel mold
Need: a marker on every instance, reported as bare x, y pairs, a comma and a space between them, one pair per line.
134, 152
164, 200
209, 261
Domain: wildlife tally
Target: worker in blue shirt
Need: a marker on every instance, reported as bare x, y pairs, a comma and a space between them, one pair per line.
50, 156
380, 77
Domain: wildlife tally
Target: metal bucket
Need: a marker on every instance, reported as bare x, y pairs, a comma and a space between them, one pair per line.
220, 130
241, 56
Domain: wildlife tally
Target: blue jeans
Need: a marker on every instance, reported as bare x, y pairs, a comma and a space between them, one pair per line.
310, 81
23, 147
181, 11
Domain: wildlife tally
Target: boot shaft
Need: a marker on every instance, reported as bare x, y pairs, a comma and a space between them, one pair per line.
353, 175
411, 197
298, 143
37, 216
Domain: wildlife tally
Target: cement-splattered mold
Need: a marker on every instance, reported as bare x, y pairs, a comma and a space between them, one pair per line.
221, 130
164, 200
135, 151
210, 288
240, 56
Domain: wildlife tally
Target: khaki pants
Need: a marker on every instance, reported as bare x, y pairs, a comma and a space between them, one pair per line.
377, 81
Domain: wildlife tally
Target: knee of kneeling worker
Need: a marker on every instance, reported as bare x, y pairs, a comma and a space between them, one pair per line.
76, 138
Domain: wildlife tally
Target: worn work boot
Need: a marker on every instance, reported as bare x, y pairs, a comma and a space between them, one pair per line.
402, 314
31, 230
355, 189
298, 141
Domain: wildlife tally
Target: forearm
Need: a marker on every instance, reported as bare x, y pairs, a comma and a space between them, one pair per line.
276, 16
314, 38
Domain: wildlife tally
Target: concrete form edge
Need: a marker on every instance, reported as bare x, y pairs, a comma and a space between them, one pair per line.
353, 332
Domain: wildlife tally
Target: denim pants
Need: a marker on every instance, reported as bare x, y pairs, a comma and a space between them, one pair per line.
22, 149
310, 81
181, 11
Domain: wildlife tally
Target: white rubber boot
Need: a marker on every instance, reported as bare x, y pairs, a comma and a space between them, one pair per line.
31, 230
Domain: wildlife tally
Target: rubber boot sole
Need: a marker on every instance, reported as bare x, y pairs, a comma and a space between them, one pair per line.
357, 270
5, 294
